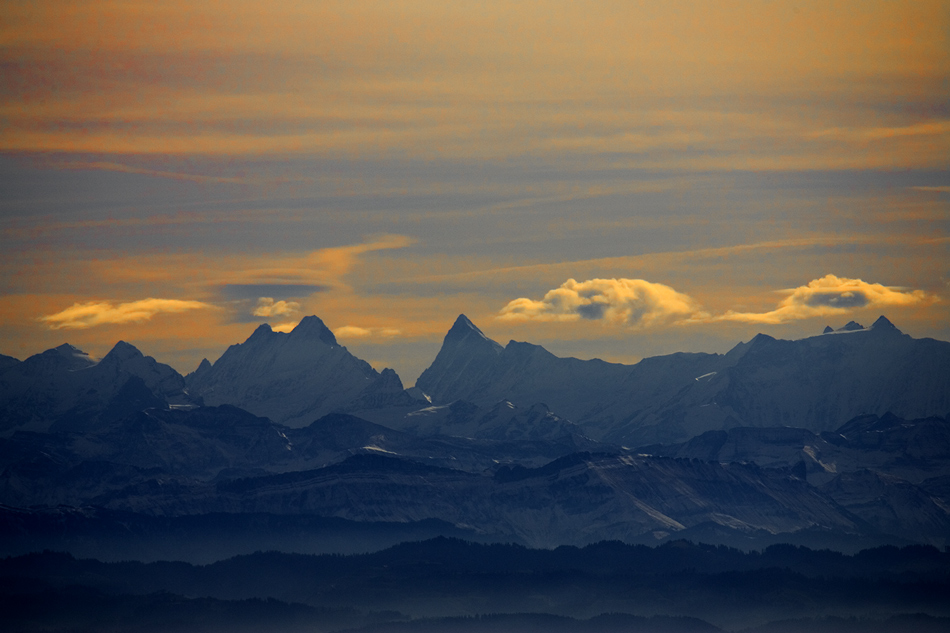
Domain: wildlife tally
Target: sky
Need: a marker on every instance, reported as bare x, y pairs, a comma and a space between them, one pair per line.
610, 180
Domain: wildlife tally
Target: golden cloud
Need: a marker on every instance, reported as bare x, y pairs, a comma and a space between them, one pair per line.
91, 314
634, 302
830, 295
352, 331
267, 307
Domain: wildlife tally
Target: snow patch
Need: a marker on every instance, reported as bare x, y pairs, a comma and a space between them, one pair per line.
427, 410
378, 450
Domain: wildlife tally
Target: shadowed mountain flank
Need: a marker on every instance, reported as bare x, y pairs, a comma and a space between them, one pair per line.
292, 378
817, 383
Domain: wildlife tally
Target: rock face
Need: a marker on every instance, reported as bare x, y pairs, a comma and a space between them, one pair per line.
816, 383
293, 378
912, 450
463, 364
503, 421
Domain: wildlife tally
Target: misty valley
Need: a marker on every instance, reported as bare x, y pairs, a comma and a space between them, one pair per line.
787, 485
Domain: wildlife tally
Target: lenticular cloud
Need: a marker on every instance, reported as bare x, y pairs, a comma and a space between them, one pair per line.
633, 302
85, 315
830, 295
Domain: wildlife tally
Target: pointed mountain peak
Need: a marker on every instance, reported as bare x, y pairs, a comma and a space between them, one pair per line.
69, 350
463, 329
760, 339
77, 359
390, 374
312, 327
203, 368
121, 352
465, 353
884, 324
463, 325
387, 382
852, 326
828, 329
263, 330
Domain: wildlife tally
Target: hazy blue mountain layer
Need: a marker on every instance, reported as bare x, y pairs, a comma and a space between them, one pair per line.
676, 587
489, 450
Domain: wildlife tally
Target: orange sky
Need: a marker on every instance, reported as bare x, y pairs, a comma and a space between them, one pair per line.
388, 165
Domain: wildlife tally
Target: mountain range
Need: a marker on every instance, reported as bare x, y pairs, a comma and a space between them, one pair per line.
840, 439
817, 383
293, 378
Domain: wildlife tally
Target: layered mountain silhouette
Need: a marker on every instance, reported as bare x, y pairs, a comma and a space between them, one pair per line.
831, 440
294, 378
817, 383
63, 388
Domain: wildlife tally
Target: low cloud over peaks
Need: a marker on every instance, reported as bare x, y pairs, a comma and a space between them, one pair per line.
632, 302
85, 315
831, 295
267, 307
644, 304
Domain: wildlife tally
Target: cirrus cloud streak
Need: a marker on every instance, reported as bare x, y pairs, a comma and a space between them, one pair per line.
94, 313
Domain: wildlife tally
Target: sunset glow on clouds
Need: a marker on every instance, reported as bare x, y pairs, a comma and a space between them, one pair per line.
642, 304
267, 307
85, 315
390, 165
831, 296
352, 331
632, 302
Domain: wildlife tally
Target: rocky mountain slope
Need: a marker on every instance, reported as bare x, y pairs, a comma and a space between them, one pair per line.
294, 378
63, 388
818, 383
577, 499
503, 448
888, 471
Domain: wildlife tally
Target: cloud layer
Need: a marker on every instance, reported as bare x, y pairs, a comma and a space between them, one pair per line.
643, 304
85, 315
353, 331
633, 302
487, 79
267, 307
830, 295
